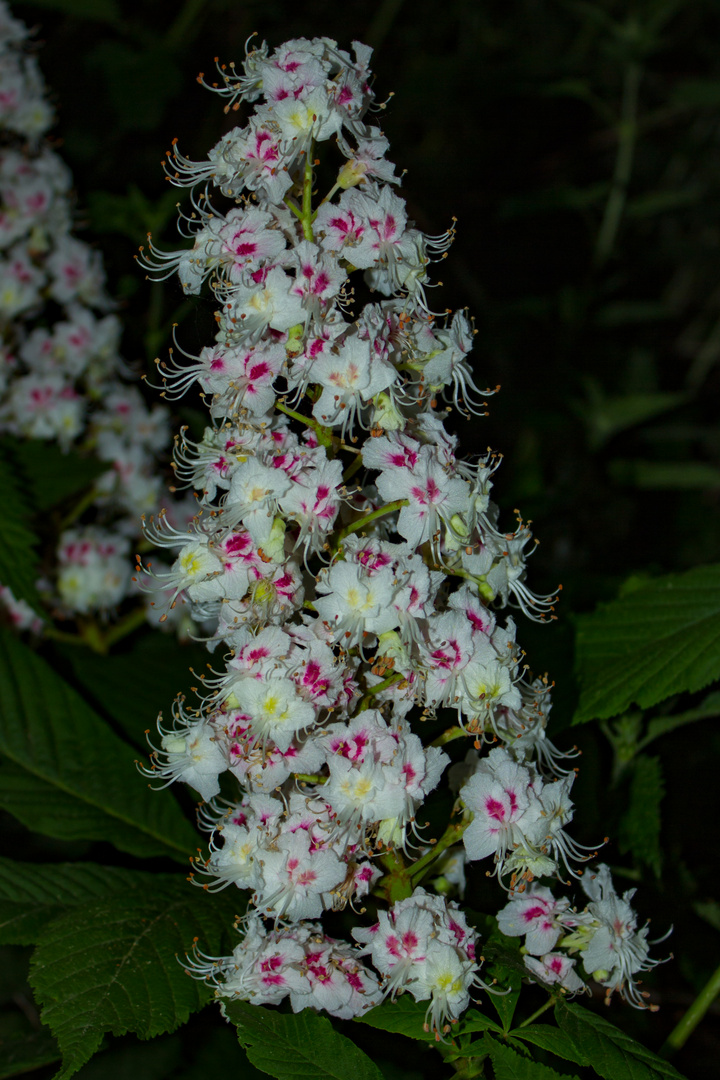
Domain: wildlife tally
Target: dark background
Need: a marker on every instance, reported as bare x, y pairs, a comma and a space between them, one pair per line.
578, 145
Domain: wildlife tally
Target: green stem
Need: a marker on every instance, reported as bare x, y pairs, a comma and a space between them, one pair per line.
663, 724
307, 214
396, 884
390, 508
687, 1024
93, 636
452, 834
183, 26
329, 195
378, 688
627, 136
79, 509
62, 635
132, 621
538, 1012
352, 469
449, 735
324, 434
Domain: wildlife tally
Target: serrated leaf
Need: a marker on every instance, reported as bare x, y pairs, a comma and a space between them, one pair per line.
640, 824
614, 1055
473, 1020
18, 559
505, 1003
59, 748
111, 965
660, 640
54, 476
301, 1045
407, 1017
509, 1065
31, 894
553, 1040
404, 1016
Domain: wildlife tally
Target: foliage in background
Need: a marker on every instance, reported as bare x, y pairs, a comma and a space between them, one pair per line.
577, 143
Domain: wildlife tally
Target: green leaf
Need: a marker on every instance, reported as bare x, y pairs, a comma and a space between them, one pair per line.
407, 1017
112, 965
613, 1054
18, 559
553, 1040
83, 777
640, 824
305, 1044
509, 1065
607, 416
54, 476
31, 894
661, 639
477, 1021
505, 1003
665, 475
403, 1016
154, 664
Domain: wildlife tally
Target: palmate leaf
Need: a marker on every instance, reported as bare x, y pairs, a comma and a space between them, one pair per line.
509, 1065
31, 894
612, 1053
112, 965
552, 1039
661, 639
69, 775
304, 1045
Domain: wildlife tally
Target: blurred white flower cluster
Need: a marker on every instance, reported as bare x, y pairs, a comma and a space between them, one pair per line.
62, 379
354, 565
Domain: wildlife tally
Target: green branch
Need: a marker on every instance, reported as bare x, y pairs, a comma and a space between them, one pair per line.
390, 508
452, 834
687, 1024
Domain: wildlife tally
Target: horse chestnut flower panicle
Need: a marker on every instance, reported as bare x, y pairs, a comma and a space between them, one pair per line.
354, 565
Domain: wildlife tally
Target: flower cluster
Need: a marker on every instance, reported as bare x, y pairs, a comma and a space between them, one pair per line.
60, 369
604, 935
356, 588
